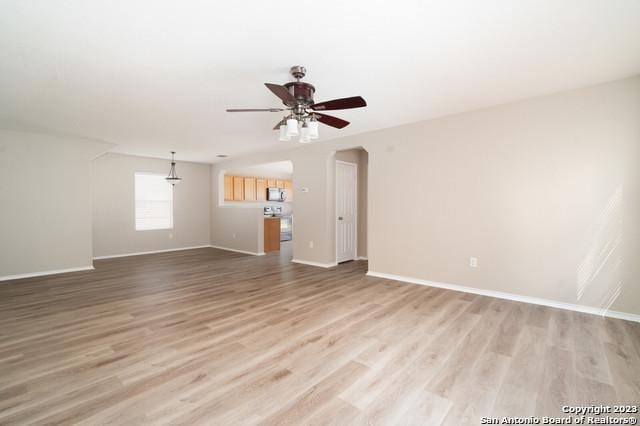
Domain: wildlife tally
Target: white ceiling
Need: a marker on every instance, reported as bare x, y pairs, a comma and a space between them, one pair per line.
156, 75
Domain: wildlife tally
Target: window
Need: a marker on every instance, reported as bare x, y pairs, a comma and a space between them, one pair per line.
154, 202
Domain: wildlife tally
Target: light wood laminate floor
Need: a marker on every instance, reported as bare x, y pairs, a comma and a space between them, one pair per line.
212, 337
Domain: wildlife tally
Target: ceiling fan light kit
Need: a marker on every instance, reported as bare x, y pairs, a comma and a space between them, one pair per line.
303, 116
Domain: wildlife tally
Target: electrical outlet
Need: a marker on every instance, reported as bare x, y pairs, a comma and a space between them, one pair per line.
310, 244
233, 235
170, 235
473, 262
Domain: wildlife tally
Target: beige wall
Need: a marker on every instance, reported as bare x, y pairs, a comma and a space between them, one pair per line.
45, 202
360, 157
544, 192
114, 206
238, 228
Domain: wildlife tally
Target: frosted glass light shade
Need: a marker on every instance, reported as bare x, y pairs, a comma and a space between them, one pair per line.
283, 133
292, 127
313, 129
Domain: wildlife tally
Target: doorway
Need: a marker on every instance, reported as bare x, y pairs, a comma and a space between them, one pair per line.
346, 211
258, 207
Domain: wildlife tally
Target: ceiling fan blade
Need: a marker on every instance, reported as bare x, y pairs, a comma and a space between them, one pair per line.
344, 103
283, 93
332, 121
255, 109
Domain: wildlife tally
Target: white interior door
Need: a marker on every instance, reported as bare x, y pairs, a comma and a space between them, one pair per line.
346, 210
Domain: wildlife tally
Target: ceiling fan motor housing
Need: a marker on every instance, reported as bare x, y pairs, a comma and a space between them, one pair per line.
303, 92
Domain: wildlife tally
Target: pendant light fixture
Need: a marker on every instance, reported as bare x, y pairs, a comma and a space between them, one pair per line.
173, 177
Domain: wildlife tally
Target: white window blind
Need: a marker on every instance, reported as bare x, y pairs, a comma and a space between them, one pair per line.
154, 202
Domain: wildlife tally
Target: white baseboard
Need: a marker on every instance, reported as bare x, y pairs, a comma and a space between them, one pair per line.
510, 296
310, 263
363, 258
43, 273
138, 253
238, 251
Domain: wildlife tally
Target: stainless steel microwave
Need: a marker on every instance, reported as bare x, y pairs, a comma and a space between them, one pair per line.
275, 194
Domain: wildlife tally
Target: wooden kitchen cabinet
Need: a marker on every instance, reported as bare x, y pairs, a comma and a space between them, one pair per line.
238, 188
249, 189
271, 234
288, 189
228, 188
261, 190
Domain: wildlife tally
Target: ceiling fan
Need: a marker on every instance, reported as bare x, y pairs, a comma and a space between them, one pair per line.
303, 116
